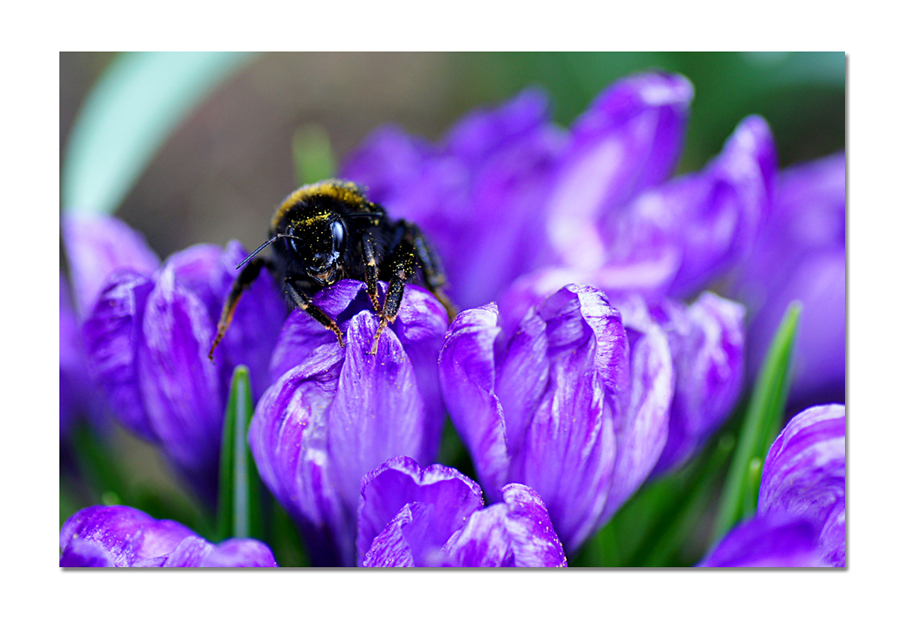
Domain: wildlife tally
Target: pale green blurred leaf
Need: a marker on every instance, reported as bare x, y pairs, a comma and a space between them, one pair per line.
126, 118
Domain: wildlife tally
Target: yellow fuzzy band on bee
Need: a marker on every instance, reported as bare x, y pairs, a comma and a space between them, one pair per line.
346, 192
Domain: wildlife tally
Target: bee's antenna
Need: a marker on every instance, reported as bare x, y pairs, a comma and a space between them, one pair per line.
263, 246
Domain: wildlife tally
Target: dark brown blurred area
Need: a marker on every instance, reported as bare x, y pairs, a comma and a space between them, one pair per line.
221, 173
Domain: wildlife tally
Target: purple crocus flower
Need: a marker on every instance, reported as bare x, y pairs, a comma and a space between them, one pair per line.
800, 514
506, 192
147, 335
119, 536
335, 414
435, 517
570, 400
801, 256
706, 340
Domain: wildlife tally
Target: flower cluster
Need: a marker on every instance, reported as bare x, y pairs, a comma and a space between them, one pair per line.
590, 353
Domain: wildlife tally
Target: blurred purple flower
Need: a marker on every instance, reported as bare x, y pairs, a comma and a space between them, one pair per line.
435, 517
335, 414
570, 401
800, 255
147, 335
801, 509
77, 395
480, 195
506, 192
119, 536
97, 246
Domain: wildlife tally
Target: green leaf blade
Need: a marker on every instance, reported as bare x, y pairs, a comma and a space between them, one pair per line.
239, 490
760, 427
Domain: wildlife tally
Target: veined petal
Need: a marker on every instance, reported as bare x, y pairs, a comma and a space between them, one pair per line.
390, 547
713, 217
97, 246
523, 377
768, 541
570, 446
642, 426
302, 334
119, 536
629, 139
804, 475
113, 334
180, 386
420, 326
288, 439
468, 376
128, 536
377, 412
707, 342
401, 481
516, 532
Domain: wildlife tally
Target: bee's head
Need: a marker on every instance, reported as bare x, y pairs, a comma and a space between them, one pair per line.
318, 242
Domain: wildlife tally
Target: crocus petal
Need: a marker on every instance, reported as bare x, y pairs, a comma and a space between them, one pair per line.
570, 446
390, 547
128, 536
113, 335
288, 438
399, 482
478, 196
703, 224
77, 396
514, 533
119, 536
82, 553
468, 377
628, 139
377, 412
804, 475
768, 541
707, 341
97, 246
800, 255
642, 426
420, 326
180, 386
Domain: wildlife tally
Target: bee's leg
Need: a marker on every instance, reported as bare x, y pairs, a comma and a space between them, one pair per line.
401, 266
244, 280
432, 269
370, 254
293, 288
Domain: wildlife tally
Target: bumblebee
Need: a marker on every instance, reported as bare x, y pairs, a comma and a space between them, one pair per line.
328, 231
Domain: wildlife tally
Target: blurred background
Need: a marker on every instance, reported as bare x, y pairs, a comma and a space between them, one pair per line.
221, 155
228, 160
